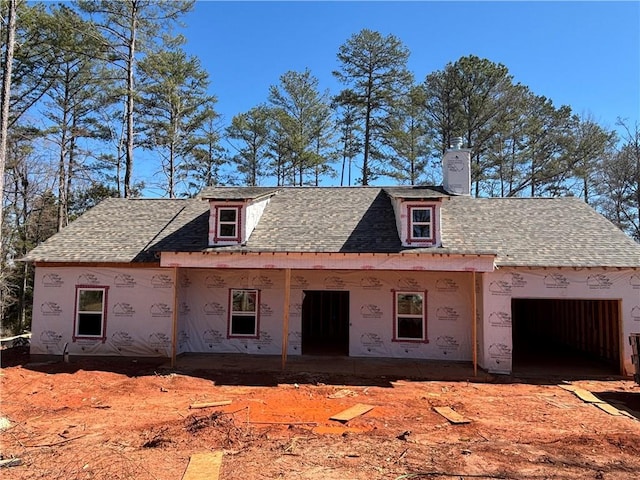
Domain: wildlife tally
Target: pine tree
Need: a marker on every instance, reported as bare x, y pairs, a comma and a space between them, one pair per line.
174, 94
374, 70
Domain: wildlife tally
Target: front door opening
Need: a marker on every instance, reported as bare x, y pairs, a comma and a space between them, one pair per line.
325, 323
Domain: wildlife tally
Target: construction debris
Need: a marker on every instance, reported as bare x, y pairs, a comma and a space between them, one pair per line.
588, 397
203, 466
352, 412
10, 462
451, 415
210, 404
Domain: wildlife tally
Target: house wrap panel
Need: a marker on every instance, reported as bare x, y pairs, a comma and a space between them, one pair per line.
203, 311
139, 310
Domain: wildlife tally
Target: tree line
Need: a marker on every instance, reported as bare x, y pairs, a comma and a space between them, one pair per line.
89, 85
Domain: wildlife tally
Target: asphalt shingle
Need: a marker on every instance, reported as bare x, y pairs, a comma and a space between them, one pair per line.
535, 232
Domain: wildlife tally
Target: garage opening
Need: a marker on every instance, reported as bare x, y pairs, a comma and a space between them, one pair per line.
566, 336
325, 322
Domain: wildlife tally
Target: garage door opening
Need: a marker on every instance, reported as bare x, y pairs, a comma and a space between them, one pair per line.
325, 323
566, 336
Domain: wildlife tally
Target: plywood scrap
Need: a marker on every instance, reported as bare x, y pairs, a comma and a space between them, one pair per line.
203, 466
610, 409
451, 415
568, 387
587, 396
581, 393
352, 412
220, 403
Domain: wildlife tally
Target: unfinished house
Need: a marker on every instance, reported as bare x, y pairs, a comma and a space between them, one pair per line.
404, 272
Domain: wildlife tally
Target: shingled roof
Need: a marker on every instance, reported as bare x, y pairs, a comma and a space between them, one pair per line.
535, 232
117, 230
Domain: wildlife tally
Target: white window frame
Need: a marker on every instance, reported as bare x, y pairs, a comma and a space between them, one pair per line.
430, 223
102, 312
397, 315
220, 223
243, 313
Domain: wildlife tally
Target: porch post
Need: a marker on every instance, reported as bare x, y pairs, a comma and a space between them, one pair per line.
174, 335
474, 323
285, 315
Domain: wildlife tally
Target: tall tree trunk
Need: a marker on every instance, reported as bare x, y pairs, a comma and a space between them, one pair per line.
172, 168
62, 171
367, 139
24, 184
6, 95
70, 166
128, 167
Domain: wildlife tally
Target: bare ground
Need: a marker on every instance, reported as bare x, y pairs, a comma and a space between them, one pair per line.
131, 420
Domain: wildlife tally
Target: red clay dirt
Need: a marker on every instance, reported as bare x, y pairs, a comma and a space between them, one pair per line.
131, 420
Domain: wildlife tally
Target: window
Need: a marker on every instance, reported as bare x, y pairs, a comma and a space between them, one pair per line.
228, 224
421, 223
410, 316
90, 318
243, 313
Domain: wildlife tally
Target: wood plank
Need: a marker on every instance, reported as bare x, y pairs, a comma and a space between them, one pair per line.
610, 409
10, 462
586, 396
569, 388
352, 412
451, 415
210, 404
204, 466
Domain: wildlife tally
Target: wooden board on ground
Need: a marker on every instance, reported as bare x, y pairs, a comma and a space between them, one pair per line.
568, 388
451, 415
210, 404
610, 409
586, 396
349, 413
203, 466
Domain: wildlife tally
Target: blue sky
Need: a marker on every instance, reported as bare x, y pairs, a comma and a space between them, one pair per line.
582, 54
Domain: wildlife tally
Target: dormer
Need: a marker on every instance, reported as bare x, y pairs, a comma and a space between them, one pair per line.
234, 212
417, 212
417, 208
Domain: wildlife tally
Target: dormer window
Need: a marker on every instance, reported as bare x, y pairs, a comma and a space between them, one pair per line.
421, 223
234, 212
228, 223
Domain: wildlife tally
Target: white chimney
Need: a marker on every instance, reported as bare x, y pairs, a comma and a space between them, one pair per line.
456, 168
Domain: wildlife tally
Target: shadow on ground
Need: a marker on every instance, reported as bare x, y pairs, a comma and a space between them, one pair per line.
627, 401
262, 370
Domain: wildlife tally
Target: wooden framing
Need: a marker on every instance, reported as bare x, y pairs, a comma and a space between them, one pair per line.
474, 323
174, 318
285, 316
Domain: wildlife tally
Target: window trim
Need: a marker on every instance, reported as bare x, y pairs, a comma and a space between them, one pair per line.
230, 314
76, 312
217, 237
410, 223
396, 338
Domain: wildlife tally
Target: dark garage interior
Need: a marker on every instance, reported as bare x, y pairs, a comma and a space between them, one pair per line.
572, 337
